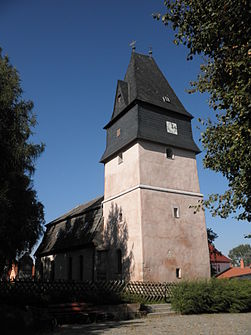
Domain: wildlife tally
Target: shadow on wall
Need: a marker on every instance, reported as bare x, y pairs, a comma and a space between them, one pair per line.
116, 241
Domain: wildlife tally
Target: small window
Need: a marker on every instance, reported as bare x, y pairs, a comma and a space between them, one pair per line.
178, 273
166, 98
119, 98
120, 157
176, 212
169, 153
118, 132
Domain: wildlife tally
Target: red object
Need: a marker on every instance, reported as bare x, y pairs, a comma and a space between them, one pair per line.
216, 256
235, 272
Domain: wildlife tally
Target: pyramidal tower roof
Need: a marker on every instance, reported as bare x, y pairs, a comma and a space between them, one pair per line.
144, 81
146, 108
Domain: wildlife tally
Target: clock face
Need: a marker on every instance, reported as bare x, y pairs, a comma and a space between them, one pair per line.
171, 128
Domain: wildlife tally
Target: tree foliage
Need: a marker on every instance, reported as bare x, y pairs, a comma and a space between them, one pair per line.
211, 235
21, 214
242, 251
220, 31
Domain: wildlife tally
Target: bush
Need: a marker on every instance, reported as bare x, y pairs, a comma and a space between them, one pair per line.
213, 296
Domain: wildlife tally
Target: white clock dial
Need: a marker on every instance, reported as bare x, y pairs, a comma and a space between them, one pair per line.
171, 128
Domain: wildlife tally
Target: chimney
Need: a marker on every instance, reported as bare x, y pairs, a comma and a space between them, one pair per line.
241, 263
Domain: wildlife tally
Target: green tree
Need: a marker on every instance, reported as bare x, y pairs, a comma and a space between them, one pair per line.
211, 235
220, 32
242, 251
21, 214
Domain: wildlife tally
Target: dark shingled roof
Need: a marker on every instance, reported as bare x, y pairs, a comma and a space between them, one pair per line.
141, 114
75, 229
145, 82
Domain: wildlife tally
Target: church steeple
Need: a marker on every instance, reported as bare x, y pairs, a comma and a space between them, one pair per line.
151, 176
145, 106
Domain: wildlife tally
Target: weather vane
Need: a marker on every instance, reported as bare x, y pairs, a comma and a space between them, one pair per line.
132, 44
150, 51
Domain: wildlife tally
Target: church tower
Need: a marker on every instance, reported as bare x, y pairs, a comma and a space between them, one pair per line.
151, 179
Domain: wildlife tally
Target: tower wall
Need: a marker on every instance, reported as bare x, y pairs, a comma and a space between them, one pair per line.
155, 169
121, 207
145, 188
171, 243
120, 177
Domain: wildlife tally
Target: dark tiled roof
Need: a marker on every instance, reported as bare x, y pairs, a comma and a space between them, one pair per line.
141, 113
78, 227
147, 83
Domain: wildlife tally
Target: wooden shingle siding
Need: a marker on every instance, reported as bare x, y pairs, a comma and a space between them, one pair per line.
142, 112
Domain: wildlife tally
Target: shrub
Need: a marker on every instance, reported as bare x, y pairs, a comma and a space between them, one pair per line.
213, 296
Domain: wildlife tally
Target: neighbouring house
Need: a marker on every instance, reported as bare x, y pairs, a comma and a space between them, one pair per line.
143, 228
242, 272
26, 269
22, 269
218, 261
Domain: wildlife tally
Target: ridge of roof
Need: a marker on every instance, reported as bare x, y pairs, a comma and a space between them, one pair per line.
78, 210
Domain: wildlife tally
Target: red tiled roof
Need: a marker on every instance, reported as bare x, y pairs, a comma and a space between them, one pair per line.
216, 256
235, 272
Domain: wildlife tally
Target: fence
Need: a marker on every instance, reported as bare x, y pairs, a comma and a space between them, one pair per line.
38, 292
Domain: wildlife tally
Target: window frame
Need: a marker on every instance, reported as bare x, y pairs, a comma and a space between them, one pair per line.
178, 273
170, 151
176, 212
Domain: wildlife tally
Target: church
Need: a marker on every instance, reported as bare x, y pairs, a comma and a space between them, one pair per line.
143, 228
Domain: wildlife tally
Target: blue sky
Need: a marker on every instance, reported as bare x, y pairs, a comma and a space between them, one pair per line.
70, 54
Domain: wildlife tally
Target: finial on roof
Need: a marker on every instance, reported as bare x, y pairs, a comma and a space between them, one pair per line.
150, 51
132, 44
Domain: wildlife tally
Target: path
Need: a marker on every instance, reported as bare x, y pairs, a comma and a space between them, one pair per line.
207, 324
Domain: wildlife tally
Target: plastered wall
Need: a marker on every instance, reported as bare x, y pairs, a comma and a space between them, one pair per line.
159, 242
155, 169
171, 243
129, 229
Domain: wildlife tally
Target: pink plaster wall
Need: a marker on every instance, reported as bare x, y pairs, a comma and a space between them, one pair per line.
179, 173
129, 205
170, 243
121, 177
160, 243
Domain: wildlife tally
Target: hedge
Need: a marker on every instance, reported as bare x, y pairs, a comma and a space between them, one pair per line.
213, 296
